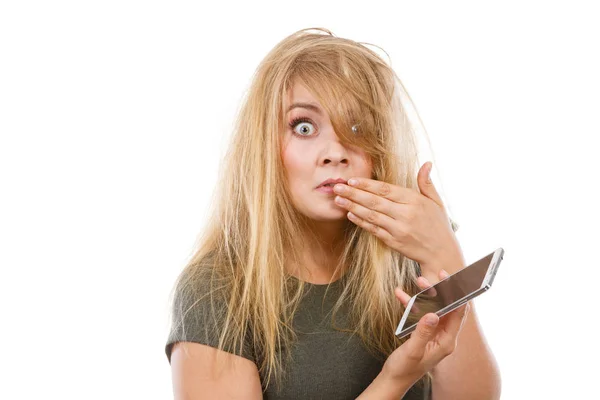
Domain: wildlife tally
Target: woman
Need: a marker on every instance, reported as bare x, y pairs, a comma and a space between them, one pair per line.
289, 295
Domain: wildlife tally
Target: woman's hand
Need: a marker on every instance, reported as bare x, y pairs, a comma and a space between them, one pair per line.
428, 344
410, 221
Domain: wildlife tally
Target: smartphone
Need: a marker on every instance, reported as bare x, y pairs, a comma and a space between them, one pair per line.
451, 292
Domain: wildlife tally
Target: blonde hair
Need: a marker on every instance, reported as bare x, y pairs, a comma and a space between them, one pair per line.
253, 231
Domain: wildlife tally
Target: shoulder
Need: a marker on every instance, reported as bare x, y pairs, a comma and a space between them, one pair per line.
199, 312
199, 295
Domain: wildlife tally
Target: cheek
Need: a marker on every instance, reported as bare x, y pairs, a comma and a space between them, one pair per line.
299, 172
365, 164
294, 160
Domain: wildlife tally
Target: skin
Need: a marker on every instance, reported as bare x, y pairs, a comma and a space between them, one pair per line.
308, 161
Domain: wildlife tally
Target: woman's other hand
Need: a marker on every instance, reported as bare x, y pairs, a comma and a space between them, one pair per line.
433, 340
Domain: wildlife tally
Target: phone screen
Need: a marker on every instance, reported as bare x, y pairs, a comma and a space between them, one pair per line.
448, 291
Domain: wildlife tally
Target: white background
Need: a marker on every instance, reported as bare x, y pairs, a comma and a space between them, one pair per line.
113, 117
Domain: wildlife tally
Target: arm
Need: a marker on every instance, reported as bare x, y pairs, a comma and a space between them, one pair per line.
471, 371
383, 388
194, 374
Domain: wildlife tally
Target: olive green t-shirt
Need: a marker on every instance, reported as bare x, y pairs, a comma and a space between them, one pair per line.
326, 364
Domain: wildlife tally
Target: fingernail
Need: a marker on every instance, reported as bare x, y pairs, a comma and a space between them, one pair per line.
339, 188
430, 320
341, 200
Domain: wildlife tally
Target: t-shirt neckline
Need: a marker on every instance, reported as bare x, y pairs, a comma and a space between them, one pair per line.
320, 285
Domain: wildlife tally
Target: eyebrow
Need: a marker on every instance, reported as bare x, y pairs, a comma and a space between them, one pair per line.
308, 106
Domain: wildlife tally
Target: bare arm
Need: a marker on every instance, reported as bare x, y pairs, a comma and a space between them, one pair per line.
470, 372
194, 374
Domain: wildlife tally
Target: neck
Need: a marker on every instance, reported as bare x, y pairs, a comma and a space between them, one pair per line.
325, 243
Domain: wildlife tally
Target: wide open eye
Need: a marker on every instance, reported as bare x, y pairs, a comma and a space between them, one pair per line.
302, 127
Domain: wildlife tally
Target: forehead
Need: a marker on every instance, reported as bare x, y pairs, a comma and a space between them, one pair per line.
300, 92
300, 97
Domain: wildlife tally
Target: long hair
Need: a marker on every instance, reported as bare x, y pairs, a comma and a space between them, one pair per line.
253, 231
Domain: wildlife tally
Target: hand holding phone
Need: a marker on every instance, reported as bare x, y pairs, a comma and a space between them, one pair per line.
427, 345
451, 292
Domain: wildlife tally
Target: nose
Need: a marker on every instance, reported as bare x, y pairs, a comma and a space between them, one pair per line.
335, 160
334, 152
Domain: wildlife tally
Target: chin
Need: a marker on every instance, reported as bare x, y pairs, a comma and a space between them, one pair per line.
333, 214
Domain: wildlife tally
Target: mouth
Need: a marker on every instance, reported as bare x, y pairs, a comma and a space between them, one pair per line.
325, 189
332, 182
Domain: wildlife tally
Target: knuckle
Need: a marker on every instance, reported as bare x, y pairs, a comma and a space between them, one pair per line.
385, 189
373, 203
448, 345
371, 216
414, 354
401, 230
424, 333
449, 348
369, 227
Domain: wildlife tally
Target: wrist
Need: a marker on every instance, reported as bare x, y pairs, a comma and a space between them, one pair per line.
400, 383
385, 386
452, 261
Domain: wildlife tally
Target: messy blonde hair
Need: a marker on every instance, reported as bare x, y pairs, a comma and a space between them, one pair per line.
253, 230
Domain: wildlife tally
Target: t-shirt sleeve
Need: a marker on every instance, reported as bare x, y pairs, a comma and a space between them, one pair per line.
195, 317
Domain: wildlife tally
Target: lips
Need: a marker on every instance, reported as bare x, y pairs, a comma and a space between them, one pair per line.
332, 182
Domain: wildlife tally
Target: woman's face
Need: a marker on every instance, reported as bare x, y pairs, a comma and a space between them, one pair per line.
311, 153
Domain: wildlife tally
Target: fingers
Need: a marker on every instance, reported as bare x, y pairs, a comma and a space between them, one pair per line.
404, 299
423, 284
424, 332
402, 296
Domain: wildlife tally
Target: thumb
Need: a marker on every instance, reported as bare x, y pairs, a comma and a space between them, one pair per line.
424, 332
426, 185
